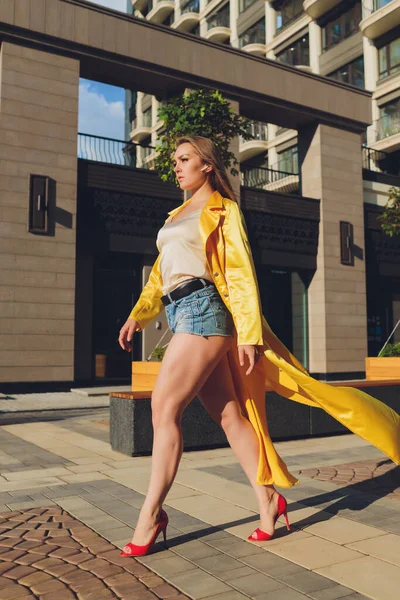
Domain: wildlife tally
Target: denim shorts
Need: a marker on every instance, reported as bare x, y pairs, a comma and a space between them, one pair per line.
200, 313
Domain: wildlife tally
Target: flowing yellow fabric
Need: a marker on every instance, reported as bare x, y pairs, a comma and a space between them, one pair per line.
224, 236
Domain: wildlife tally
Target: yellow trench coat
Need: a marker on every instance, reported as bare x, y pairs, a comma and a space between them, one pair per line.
224, 236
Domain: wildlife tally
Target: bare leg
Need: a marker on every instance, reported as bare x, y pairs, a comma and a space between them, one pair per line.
219, 398
187, 363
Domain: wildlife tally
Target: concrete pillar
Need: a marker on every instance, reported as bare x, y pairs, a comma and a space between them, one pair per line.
233, 18
38, 132
371, 75
330, 166
315, 41
270, 23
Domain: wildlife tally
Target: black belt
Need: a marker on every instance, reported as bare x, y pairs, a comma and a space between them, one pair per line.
185, 289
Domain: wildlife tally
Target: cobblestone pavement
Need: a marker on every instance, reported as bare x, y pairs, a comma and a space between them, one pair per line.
45, 553
372, 476
64, 493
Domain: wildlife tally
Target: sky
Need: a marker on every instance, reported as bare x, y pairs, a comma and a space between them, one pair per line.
101, 106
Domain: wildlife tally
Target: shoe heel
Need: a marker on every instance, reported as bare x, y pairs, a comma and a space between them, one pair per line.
165, 538
287, 520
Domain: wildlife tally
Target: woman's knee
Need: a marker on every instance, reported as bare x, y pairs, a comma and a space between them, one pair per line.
231, 419
165, 412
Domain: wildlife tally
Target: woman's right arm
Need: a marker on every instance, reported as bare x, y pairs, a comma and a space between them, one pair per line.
147, 307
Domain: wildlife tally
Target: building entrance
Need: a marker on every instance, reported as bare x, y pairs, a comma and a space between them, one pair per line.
116, 281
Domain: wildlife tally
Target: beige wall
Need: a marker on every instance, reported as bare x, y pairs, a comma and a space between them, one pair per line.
38, 128
331, 171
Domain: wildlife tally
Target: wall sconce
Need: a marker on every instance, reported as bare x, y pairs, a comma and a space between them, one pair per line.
41, 199
346, 243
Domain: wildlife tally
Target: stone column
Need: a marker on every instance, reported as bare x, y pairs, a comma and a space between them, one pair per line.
330, 166
233, 18
315, 40
38, 132
371, 78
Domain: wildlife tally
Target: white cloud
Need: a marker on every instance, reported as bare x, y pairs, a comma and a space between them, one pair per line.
99, 116
114, 4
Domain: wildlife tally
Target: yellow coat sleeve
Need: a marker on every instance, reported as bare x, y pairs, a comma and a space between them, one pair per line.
149, 304
241, 279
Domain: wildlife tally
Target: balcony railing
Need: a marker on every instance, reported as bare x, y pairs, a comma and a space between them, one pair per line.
259, 177
388, 125
379, 161
257, 130
111, 151
191, 6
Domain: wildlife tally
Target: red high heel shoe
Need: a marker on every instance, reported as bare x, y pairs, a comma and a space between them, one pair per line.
134, 550
261, 536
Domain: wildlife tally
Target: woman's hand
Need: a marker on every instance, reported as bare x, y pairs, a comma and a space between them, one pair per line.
126, 334
252, 354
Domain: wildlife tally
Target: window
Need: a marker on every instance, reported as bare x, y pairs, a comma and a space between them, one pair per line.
298, 53
219, 19
146, 9
147, 117
289, 160
389, 122
342, 26
288, 13
191, 6
254, 35
169, 20
380, 3
389, 59
244, 4
352, 73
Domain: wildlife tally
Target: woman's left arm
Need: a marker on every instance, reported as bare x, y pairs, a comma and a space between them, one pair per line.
241, 279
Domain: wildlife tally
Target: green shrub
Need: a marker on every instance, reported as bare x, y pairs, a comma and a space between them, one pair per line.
390, 218
158, 352
391, 350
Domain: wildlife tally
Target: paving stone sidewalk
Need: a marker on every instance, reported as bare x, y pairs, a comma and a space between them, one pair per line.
61, 482
45, 553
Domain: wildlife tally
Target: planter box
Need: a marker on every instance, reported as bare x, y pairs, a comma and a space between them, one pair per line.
380, 368
144, 375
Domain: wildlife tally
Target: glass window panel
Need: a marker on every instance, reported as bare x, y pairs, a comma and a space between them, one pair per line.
254, 35
383, 66
395, 53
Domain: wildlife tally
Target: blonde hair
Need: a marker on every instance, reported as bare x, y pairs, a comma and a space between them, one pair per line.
210, 155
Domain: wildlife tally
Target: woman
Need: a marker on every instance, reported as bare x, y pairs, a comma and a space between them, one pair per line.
223, 350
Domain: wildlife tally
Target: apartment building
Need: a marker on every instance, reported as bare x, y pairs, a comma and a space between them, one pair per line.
353, 41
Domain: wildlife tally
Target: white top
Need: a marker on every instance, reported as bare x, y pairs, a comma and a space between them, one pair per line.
182, 252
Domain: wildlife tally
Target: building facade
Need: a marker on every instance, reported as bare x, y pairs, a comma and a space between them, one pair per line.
78, 233
354, 42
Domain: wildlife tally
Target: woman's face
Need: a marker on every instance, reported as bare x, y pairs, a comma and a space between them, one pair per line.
187, 167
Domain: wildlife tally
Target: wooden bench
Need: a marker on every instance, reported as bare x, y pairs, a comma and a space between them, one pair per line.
131, 429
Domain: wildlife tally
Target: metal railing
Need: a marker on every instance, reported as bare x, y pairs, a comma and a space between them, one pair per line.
388, 125
380, 162
257, 130
112, 151
371, 158
258, 177
191, 6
